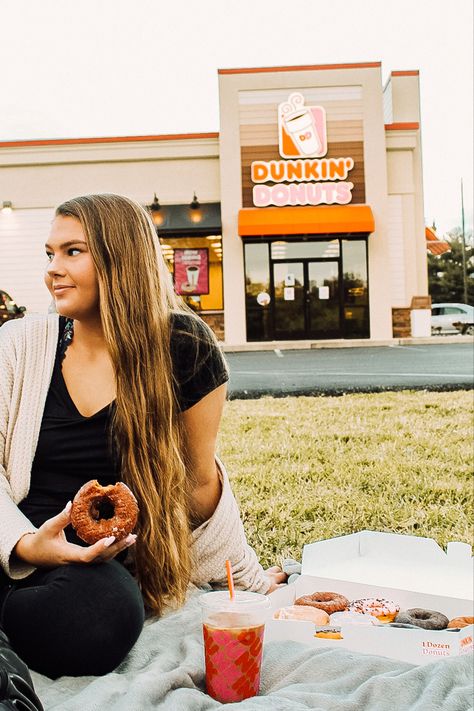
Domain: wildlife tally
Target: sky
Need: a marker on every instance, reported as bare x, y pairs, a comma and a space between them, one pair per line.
89, 68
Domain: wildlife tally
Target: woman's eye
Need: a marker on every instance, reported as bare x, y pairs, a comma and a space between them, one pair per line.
49, 256
73, 249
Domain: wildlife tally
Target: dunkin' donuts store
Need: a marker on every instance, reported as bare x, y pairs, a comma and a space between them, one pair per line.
302, 219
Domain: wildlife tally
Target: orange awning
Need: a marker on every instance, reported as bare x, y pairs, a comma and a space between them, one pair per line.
434, 244
255, 221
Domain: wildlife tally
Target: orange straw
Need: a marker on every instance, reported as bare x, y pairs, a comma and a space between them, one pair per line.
230, 579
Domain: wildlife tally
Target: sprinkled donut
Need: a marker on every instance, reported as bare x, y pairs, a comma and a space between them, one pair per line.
101, 511
460, 622
328, 601
383, 610
426, 619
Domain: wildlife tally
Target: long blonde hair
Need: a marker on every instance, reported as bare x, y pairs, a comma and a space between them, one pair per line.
136, 301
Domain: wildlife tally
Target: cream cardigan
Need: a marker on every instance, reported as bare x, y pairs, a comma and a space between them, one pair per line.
27, 352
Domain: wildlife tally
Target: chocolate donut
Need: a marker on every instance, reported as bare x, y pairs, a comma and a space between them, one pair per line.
328, 601
426, 619
101, 511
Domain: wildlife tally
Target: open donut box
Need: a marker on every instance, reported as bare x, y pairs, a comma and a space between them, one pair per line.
411, 571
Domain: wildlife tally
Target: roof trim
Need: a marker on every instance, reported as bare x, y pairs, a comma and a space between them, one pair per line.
406, 73
107, 139
300, 68
402, 126
434, 244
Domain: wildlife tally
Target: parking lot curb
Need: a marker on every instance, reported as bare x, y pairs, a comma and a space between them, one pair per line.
342, 343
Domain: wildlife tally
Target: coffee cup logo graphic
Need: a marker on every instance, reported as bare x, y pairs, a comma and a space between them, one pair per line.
301, 129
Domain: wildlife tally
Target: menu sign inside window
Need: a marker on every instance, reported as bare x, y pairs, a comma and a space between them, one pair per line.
305, 177
191, 271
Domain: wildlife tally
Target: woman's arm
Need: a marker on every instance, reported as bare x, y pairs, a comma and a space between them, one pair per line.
219, 534
201, 425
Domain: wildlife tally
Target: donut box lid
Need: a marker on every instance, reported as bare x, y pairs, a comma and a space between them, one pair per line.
393, 561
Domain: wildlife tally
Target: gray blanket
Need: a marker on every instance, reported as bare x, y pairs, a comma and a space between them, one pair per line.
165, 670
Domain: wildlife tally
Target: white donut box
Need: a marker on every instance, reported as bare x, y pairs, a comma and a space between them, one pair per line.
409, 570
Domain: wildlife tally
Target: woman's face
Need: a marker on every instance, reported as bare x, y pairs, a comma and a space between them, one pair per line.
70, 274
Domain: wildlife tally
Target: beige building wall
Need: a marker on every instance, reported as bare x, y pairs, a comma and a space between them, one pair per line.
409, 275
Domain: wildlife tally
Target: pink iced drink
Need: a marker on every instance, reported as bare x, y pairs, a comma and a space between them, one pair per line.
233, 655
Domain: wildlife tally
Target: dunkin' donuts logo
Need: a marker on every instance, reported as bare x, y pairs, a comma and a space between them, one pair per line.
301, 129
303, 176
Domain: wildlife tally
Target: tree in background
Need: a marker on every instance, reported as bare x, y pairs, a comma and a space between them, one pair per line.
445, 271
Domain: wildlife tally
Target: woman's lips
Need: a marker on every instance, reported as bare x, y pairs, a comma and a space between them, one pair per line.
61, 289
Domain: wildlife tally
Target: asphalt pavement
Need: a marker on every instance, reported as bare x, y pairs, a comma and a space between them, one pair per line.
336, 371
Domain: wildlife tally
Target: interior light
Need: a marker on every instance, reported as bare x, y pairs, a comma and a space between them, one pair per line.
156, 212
7, 206
195, 214
194, 204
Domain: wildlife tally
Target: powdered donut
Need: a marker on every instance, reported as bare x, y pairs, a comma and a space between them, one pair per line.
100, 511
383, 610
352, 618
302, 612
328, 601
460, 622
427, 619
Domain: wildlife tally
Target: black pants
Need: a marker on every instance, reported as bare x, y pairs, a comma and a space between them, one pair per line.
72, 620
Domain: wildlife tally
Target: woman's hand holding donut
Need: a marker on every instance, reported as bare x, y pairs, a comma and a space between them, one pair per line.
48, 547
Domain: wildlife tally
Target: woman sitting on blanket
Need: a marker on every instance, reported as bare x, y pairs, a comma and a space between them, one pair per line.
122, 383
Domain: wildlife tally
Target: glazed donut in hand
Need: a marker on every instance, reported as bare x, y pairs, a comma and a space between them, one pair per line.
460, 622
328, 601
383, 610
100, 511
426, 619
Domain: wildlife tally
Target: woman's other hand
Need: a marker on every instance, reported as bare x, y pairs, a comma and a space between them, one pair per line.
48, 547
277, 577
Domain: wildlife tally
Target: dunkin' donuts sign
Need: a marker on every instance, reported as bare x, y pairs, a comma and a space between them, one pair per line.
305, 177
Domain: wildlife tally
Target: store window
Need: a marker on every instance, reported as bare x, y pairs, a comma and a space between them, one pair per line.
257, 292
306, 289
355, 292
195, 264
324, 249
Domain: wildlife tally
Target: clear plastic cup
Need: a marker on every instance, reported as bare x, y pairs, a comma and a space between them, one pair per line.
233, 643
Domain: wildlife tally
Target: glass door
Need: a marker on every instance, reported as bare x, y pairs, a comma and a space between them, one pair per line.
323, 300
289, 300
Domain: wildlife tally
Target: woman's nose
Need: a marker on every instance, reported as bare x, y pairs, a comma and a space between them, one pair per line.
54, 266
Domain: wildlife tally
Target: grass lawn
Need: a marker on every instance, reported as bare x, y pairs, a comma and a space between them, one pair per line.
309, 468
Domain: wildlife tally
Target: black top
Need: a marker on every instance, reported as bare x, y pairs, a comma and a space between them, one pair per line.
73, 449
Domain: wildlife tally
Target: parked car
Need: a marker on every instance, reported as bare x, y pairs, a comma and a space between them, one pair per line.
9, 309
452, 318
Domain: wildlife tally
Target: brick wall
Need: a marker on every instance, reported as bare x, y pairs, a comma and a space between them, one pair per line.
216, 322
401, 322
